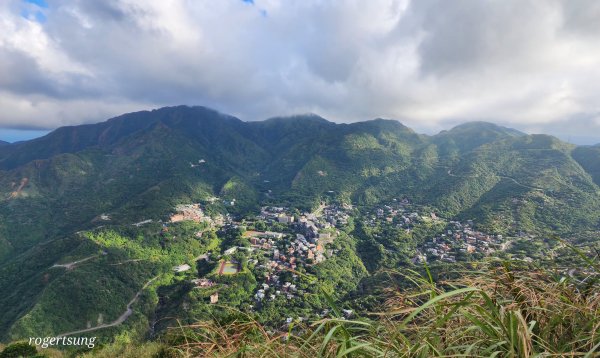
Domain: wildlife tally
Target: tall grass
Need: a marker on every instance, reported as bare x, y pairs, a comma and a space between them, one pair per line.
495, 311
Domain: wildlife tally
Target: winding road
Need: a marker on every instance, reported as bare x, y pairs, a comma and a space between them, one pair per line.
521, 184
499, 176
122, 318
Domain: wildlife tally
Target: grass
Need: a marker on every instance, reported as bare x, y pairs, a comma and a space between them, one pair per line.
491, 309
495, 311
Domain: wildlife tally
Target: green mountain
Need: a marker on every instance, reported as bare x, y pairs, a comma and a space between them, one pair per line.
57, 191
589, 159
471, 135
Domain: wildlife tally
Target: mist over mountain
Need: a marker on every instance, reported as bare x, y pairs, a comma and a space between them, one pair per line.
58, 192
141, 149
363, 178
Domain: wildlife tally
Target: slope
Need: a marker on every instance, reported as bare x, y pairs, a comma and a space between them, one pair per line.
138, 166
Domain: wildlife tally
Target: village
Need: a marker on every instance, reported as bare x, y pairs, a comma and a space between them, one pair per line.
456, 243
302, 239
279, 245
274, 257
261, 263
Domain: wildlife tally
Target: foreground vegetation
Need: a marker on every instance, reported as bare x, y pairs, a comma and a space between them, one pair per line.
99, 200
494, 310
106, 177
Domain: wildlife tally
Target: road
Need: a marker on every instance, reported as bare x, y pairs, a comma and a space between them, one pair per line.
319, 209
523, 185
70, 265
500, 176
127, 261
122, 318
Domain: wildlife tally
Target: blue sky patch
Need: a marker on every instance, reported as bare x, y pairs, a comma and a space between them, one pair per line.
34, 13
40, 3
16, 135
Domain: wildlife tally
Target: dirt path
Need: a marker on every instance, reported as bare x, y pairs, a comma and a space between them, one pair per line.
122, 318
506, 245
523, 185
319, 209
127, 261
499, 176
16, 193
71, 265
462, 176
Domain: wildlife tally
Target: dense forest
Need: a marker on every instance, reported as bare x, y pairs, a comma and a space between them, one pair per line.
87, 235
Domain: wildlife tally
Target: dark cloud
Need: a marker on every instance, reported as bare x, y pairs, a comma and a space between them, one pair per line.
581, 17
21, 75
429, 63
475, 35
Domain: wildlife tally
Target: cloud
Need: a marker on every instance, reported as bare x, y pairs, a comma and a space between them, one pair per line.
429, 63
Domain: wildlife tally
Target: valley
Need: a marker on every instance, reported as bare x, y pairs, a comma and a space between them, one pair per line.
183, 214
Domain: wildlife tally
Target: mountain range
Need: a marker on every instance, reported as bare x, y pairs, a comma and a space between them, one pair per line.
138, 166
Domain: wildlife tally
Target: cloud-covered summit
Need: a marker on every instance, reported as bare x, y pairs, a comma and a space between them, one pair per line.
430, 63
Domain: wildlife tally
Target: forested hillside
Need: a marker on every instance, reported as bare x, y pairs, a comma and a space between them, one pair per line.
76, 193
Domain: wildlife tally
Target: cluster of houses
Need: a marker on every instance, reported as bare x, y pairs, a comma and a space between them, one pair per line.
283, 253
302, 244
309, 225
275, 214
337, 214
275, 287
458, 239
194, 212
189, 212
399, 212
274, 257
305, 245
298, 249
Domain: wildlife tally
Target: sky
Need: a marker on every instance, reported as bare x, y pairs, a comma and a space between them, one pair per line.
431, 64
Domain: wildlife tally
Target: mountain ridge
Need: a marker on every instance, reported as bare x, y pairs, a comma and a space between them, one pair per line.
70, 139
359, 161
140, 166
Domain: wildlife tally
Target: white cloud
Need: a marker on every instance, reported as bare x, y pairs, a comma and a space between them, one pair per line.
429, 63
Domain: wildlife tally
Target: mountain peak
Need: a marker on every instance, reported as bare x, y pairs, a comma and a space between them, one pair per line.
379, 125
72, 139
389, 123
181, 112
468, 136
484, 126
4, 143
307, 117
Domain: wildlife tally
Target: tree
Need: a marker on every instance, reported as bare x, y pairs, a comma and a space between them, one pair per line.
19, 349
204, 267
260, 225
